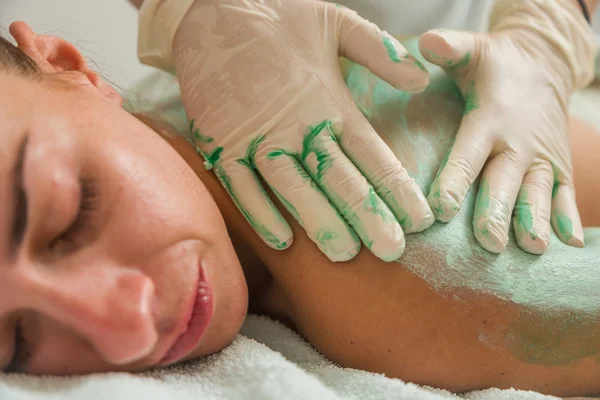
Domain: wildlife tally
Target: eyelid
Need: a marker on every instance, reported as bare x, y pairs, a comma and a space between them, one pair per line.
20, 219
83, 222
88, 204
19, 224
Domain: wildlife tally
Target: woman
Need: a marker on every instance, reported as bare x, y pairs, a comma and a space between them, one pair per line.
115, 258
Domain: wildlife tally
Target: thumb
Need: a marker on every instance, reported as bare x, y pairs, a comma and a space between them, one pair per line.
364, 43
451, 50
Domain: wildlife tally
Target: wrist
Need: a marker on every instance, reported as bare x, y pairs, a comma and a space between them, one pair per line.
558, 26
159, 22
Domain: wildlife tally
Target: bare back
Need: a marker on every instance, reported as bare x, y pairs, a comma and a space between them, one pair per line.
449, 314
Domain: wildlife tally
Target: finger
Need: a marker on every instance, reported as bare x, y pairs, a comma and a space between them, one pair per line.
351, 194
381, 167
565, 215
531, 216
304, 200
246, 191
500, 183
461, 166
451, 50
363, 42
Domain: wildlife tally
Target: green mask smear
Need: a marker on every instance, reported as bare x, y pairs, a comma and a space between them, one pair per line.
197, 135
523, 215
471, 99
391, 49
554, 339
460, 64
563, 224
482, 204
314, 143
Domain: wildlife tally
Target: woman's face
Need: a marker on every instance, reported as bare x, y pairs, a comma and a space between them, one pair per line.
113, 255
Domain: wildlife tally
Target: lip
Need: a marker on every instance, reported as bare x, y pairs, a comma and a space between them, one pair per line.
196, 321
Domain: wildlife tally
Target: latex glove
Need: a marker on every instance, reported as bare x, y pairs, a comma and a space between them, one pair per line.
516, 82
261, 81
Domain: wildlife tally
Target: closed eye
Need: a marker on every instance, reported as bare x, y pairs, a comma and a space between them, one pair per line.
19, 224
73, 237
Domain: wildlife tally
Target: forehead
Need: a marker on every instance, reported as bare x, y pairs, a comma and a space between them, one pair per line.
43, 104
13, 117
17, 101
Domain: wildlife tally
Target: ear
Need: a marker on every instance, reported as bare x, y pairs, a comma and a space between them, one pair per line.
53, 54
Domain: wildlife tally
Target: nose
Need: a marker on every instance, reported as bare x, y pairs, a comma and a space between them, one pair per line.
109, 306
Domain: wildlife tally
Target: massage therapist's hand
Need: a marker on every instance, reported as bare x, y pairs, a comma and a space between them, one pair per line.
516, 82
261, 83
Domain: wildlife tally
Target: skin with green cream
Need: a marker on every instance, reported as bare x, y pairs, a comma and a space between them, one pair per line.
558, 293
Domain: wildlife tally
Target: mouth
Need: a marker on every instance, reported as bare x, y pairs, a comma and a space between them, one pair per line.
196, 321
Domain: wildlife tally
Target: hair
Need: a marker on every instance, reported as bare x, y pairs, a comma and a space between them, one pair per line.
13, 59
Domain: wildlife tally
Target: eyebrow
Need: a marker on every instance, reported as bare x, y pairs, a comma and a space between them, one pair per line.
20, 201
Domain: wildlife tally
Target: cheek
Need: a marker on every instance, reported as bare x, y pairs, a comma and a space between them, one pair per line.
150, 187
59, 352
155, 203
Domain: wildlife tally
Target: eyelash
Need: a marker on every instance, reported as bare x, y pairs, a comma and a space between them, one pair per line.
88, 206
22, 351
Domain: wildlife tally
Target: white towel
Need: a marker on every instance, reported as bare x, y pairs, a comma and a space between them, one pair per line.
266, 361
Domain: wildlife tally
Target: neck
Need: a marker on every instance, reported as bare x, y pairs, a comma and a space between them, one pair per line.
258, 278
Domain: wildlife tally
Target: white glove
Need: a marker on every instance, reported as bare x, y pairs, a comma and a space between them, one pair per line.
516, 82
261, 82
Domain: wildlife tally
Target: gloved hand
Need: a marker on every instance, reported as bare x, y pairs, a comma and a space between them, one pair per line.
261, 82
516, 83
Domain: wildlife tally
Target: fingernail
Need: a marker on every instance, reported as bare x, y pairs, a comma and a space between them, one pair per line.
337, 247
533, 243
490, 234
443, 206
427, 220
282, 245
578, 239
572, 235
577, 242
